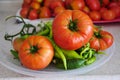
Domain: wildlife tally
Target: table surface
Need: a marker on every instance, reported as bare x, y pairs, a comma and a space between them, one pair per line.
110, 70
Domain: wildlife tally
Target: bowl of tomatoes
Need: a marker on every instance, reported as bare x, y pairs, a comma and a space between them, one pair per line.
100, 11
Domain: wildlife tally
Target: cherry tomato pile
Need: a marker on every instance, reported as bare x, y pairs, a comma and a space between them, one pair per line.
96, 9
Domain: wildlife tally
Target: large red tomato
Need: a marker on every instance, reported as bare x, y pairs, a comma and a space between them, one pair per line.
36, 52
72, 29
101, 40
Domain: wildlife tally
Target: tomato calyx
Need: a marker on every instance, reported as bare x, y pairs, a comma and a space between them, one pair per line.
97, 34
73, 25
33, 49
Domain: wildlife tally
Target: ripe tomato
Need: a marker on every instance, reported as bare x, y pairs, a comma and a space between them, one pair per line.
67, 3
108, 15
55, 4
44, 12
77, 4
102, 9
35, 5
113, 4
36, 52
86, 9
17, 43
116, 9
58, 10
25, 5
72, 29
24, 12
95, 15
93, 4
101, 40
105, 2
33, 14
27, 1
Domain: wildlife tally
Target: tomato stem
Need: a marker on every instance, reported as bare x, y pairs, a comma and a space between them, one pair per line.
73, 25
97, 34
33, 49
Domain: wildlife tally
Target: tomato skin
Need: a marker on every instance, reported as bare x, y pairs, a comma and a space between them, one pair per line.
102, 43
24, 12
95, 15
38, 59
27, 1
33, 14
55, 4
17, 42
93, 4
35, 5
44, 12
68, 39
58, 10
108, 15
67, 3
77, 4
116, 9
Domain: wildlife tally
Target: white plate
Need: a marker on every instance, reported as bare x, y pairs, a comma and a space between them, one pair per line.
6, 59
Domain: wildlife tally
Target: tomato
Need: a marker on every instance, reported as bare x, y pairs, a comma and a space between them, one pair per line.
101, 40
35, 5
58, 10
38, 1
67, 3
86, 9
95, 15
72, 29
113, 4
108, 15
116, 9
44, 12
77, 4
55, 4
105, 2
24, 5
36, 52
27, 1
24, 12
93, 4
103, 9
17, 42
33, 14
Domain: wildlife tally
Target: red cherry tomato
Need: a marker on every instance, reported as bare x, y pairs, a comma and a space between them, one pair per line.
72, 29
33, 14
24, 12
35, 5
93, 4
95, 15
116, 9
108, 15
58, 10
44, 12
27, 1
77, 4
55, 4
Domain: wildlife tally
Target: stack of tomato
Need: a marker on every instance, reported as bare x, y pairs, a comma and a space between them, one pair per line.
96, 9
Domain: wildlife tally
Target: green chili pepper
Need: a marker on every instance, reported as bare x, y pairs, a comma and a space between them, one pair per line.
90, 60
71, 63
71, 54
